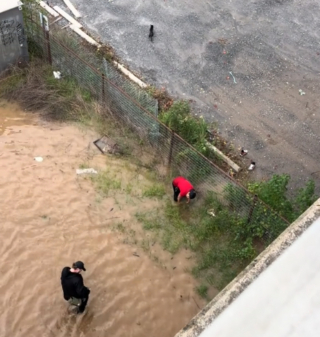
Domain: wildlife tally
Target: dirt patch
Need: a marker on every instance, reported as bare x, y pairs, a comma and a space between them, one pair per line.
12, 115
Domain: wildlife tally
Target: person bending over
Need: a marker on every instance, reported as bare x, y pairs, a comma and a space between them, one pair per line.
182, 188
73, 288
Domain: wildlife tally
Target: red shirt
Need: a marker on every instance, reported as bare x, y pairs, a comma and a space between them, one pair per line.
183, 184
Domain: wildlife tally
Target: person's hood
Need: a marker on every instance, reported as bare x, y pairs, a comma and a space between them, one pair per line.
66, 273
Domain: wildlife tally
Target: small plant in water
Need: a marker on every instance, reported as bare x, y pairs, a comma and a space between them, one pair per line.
129, 188
120, 227
105, 182
202, 290
83, 166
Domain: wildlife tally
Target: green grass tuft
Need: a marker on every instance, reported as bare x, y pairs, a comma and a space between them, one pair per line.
202, 290
156, 191
105, 182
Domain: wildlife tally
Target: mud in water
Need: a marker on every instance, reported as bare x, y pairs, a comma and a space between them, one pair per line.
12, 115
51, 217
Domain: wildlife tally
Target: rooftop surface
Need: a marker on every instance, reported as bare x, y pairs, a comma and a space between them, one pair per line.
283, 301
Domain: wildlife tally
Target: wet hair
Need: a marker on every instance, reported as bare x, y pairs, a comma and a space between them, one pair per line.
192, 194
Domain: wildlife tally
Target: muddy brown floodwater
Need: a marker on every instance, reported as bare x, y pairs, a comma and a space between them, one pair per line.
51, 217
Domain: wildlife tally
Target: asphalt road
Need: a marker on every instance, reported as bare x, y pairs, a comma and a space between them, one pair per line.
271, 47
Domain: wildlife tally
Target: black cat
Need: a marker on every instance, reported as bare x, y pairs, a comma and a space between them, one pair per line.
151, 33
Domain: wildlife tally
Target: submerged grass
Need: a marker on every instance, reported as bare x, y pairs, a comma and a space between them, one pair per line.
157, 191
202, 290
105, 182
219, 255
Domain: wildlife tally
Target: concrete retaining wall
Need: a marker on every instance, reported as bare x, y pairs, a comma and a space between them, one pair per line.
206, 316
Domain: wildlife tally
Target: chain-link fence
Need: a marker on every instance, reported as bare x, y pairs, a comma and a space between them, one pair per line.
138, 111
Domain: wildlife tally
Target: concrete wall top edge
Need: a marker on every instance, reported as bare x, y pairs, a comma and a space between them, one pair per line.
208, 314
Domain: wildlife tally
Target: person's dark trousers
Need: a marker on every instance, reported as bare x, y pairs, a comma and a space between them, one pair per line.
83, 304
176, 193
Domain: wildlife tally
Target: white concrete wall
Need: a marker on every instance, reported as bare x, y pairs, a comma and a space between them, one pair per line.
284, 301
276, 295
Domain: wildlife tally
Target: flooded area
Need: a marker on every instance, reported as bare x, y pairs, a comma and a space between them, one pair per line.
51, 217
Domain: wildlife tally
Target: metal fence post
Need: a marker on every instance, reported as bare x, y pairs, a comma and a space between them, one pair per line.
171, 148
255, 198
48, 47
45, 28
102, 84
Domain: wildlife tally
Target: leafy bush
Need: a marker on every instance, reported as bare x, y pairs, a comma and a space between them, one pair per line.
274, 193
236, 196
305, 197
191, 129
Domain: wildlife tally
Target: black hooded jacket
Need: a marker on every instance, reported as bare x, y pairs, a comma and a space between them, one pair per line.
72, 285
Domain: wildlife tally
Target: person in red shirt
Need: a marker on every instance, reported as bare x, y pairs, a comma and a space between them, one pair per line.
182, 188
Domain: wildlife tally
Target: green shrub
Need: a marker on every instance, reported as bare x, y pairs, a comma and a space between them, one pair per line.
236, 196
274, 193
190, 128
35, 51
305, 197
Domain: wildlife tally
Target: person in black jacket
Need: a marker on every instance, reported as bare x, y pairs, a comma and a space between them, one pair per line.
73, 288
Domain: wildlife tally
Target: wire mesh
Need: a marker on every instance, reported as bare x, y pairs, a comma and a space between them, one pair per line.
137, 110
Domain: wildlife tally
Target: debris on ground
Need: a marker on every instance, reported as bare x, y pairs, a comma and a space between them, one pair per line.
151, 33
211, 212
210, 136
243, 152
72, 9
252, 166
223, 42
107, 145
38, 159
57, 75
231, 173
234, 80
301, 92
86, 171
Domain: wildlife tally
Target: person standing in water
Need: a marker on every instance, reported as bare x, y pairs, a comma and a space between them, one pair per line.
182, 188
73, 288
